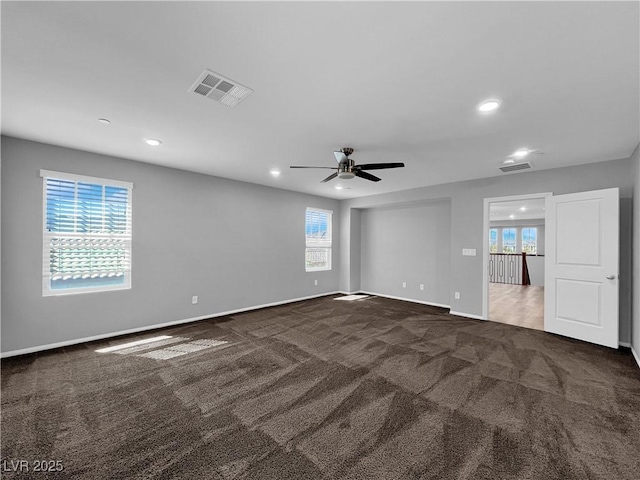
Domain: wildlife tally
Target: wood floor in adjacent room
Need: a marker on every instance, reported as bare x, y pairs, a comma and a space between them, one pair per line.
521, 305
373, 389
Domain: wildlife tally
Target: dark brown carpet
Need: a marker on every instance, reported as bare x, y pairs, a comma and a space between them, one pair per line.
371, 389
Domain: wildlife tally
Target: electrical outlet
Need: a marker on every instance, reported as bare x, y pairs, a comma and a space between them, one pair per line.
315, 282
422, 286
404, 284
194, 299
456, 295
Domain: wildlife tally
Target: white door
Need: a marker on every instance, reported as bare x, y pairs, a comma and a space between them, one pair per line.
581, 266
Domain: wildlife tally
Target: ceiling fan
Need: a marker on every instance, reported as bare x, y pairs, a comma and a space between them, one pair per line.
348, 169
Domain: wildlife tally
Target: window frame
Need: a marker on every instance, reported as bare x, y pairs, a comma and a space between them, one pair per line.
47, 291
522, 229
327, 245
498, 231
515, 239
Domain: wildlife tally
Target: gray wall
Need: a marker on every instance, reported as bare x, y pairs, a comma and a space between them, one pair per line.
218, 257
355, 255
635, 327
235, 245
467, 201
407, 243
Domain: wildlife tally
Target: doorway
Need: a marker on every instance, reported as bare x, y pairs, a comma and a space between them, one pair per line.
513, 259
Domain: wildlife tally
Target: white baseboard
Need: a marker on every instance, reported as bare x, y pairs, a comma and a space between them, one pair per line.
624, 344
67, 343
635, 355
468, 315
393, 297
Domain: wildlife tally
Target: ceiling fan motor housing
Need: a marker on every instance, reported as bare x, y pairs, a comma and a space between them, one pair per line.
346, 170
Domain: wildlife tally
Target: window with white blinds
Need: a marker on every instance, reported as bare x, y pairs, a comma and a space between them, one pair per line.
318, 239
87, 234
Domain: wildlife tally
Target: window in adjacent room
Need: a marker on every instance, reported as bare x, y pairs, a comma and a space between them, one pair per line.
318, 239
508, 240
87, 234
493, 240
530, 240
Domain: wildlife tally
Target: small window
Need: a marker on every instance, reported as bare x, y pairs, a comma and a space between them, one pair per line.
530, 240
508, 240
318, 239
87, 234
493, 240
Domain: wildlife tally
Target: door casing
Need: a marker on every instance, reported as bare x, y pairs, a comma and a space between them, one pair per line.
485, 241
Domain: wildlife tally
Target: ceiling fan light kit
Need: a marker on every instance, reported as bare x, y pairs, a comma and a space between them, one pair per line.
346, 175
347, 168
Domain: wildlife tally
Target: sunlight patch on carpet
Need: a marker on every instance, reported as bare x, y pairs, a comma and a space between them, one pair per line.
182, 349
133, 344
352, 297
172, 347
151, 346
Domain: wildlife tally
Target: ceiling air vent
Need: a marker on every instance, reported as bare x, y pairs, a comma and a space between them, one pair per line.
216, 87
515, 167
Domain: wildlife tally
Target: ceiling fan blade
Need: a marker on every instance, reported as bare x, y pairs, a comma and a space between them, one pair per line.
304, 166
340, 157
368, 176
380, 166
330, 177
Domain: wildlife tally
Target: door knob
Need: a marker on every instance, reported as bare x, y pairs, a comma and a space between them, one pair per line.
610, 277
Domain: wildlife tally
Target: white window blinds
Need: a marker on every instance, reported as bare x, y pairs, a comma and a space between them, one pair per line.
318, 239
87, 234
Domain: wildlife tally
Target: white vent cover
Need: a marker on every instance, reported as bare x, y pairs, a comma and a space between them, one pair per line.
515, 167
215, 86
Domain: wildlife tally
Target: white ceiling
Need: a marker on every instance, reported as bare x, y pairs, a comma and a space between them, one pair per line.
516, 210
395, 81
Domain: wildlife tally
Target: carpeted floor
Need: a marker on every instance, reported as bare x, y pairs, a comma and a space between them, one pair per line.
369, 389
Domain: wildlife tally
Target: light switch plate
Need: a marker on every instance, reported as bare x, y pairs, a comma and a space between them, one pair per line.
469, 252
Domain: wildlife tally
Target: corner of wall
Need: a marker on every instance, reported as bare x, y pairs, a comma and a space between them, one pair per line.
635, 284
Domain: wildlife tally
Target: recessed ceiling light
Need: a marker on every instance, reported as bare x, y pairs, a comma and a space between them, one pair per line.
508, 161
338, 187
152, 141
522, 209
523, 152
488, 106
512, 216
104, 120
275, 172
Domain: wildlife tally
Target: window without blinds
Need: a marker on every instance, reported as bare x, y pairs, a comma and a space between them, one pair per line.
530, 240
493, 240
508, 240
318, 240
87, 234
